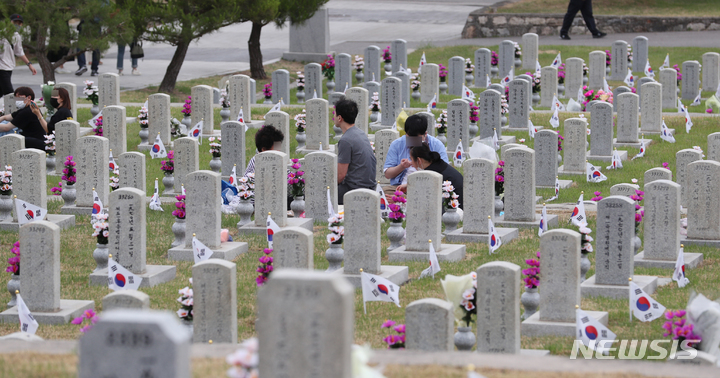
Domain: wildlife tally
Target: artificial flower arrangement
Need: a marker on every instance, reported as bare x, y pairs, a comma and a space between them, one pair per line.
442, 123
359, 64
115, 179
187, 107
415, 84
532, 274
474, 113
6, 181
87, 320
57, 190
295, 179
449, 197
186, 303
560, 141
179, 211
500, 179
375, 103
494, 58
387, 57
69, 171
535, 81
246, 186
300, 122
598, 197
679, 75
266, 268
629, 54
518, 52
224, 101
168, 166
91, 92
469, 67
267, 91
394, 341
640, 213
245, 360
101, 228
215, 145
461, 292
397, 208
585, 240
50, 144
300, 81
608, 58
680, 329
175, 127
585, 70
98, 126
561, 74
443, 73
599, 95
337, 231
328, 68
14, 261
504, 107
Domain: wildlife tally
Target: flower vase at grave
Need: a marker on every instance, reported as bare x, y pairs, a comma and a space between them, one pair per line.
494, 72
245, 209
50, 164
338, 132
584, 264
224, 114
503, 121
215, 164
395, 234
607, 71
442, 137
178, 229
637, 243
94, 110
69, 195
585, 80
518, 62
499, 205
535, 98
473, 129
169, 184
6, 205
450, 219
464, 338
443, 86
268, 100
388, 68
530, 300
415, 94
559, 158
100, 254
300, 94
301, 138
359, 76
330, 86
334, 255
561, 90
144, 132
297, 206
469, 80
374, 115
13, 286
187, 122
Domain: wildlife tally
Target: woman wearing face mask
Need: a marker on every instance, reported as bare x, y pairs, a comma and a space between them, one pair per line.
60, 100
424, 159
24, 119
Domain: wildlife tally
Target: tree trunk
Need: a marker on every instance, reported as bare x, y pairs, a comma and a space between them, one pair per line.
257, 71
173, 70
48, 70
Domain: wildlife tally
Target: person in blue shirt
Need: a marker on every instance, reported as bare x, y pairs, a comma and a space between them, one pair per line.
398, 164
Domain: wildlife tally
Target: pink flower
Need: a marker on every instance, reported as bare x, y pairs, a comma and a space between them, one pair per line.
501, 163
388, 324
77, 320
400, 328
709, 110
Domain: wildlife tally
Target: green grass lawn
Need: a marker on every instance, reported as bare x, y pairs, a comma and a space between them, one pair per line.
78, 244
669, 8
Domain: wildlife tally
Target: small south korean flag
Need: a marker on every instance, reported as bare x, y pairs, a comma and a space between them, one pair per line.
648, 70
556, 104
643, 147
331, 210
233, 176
665, 133
580, 95
241, 119
432, 104
531, 129
578, 217
376, 288
591, 332
276, 107
538, 68
155, 199
594, 174
27, 212
629, 79
158, 148
688, 121
555, 119
434, 264
120, 278
28, 324
679, 273
606, 88
495, 141
615, 162
112, 165
459, 156
697, 101
557, 190
666, 63
272, 228
422, 63
468, 94
488, 82
384, 208
643, 306
680, 106
92, 121
494, 241
196, 131
543, 221
200, 251
97, 205
557, 62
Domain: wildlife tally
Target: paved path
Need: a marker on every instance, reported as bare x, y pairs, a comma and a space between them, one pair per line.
353, 26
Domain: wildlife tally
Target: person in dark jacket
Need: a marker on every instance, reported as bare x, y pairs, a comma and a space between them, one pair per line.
424, 159
24, 119
60, 100
584, 7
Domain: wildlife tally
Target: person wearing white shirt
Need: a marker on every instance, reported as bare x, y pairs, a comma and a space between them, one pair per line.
7, 57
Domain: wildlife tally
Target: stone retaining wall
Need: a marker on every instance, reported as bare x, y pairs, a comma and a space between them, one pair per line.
482, 25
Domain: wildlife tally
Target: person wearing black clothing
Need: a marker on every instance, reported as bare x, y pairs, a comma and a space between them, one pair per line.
60, 100
24, 119
585, 7
424, 159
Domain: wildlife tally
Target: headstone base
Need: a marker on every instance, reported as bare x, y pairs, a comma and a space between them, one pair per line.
84, 131
447, 252
393, 273
227, 251
256, 124
306, 151
505, 139
215, 133
561, 171
692, 260
69, 310
147, 147
552, 221
23, 336
648, 132
78, 210
62, 221
457, 236
701, 358
590, 289
711, 243
524, 128
564, 184
534, 327
637, 144
623, 156
155, 275
304, 57
251, 228
377, 126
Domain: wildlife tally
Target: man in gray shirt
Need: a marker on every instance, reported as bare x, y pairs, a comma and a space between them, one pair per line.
356, 159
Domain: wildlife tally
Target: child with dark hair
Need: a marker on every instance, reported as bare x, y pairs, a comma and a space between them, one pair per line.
424, 159
266, 139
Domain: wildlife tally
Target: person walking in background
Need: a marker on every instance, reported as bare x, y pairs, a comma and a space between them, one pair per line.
81, 59
7, 57
121, 57
584, 7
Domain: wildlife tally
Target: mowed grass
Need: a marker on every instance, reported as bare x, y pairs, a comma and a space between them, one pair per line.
668, 8
77, 244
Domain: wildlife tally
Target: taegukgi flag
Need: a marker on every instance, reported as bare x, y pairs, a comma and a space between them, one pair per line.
272, 228
578, 217
120, 278
434, 264
28, 324
590, 329
200, 251
376, 288
27, 212
643, 306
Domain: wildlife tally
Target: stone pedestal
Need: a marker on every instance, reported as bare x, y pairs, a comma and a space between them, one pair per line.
227, 251
637, 144
623, 156
590, 289
154, 275
447, 252
251, 228
552, 221
534, 327
395, 274
62, 221
69, 310
458, 236
692, 260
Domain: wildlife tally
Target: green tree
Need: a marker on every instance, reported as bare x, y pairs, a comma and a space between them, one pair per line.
47, 28
179, 22
279, 12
